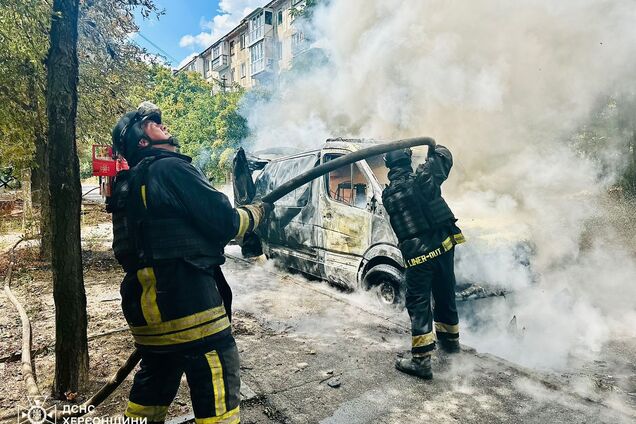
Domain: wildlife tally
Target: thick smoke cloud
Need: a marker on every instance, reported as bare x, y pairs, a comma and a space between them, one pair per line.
505, 85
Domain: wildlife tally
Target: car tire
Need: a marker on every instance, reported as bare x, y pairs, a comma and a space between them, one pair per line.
388, 283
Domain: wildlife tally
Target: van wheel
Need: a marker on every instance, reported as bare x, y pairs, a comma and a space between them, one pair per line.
387, 282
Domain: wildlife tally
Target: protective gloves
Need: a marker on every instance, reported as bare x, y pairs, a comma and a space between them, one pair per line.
252, 215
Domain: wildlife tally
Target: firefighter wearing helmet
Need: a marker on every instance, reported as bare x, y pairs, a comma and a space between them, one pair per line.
170, 228
426, 232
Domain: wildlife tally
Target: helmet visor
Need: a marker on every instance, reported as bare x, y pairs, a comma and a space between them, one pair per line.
148, 110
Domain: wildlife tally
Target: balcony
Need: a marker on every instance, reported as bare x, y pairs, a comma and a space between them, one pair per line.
262, 65
256, 35
220, 63
299, 44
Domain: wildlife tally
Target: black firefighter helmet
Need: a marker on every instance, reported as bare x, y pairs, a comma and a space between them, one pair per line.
129, 129
400, 157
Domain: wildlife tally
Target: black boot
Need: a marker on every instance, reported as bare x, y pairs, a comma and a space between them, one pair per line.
417, 366
449, 345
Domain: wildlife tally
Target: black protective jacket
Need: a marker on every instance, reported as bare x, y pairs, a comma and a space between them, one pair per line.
170, 227
423, 222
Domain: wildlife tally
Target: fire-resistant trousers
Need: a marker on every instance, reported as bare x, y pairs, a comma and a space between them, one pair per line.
437, 277
213, 378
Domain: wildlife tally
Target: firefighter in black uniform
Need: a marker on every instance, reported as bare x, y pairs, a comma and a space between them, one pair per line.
426, 232
170, 227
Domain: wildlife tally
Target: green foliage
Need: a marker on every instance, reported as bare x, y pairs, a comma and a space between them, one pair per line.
208, 127
23, 45
305, 10
111, 67
609, 138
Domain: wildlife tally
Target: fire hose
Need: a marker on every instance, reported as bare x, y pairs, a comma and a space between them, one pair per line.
271, 197
347, 159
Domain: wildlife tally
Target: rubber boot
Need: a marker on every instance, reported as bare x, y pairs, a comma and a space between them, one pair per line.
449, 346
417, 366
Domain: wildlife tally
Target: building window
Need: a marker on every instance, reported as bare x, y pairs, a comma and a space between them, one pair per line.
216, 51
232, 76
242, 40
231, 48
298, 43
256, 27
256, 56
206, 67
280, 18
268, 18
243, 70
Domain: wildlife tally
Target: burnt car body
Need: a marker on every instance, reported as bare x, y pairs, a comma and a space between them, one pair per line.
333, 228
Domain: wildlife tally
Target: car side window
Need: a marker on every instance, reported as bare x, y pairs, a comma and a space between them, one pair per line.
278, 173
347, 184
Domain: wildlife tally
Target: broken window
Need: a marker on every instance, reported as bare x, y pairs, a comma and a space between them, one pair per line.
277, 173
381, 172
348, 185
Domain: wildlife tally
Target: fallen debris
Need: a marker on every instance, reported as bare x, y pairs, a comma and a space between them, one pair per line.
334, 382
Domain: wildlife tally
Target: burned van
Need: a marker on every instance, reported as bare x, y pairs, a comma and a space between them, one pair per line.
333, 228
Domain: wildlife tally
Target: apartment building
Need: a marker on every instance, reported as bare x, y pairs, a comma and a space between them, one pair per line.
256, 51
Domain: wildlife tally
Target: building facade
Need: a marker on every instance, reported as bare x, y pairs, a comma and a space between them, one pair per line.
256, 51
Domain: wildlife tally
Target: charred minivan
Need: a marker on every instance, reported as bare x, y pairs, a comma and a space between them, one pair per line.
333, 228
336, 229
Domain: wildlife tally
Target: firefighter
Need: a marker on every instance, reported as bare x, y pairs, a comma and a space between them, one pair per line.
426, 232
170, 227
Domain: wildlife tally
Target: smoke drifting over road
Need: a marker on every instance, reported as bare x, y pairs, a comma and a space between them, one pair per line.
504, 85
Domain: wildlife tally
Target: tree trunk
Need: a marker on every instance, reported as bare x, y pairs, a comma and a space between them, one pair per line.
71, 347
27, 205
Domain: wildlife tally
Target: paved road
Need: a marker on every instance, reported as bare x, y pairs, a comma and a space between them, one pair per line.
313, 354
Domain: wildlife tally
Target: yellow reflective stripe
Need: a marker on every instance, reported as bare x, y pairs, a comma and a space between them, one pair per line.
447, 245
423, 340
440, 327
459, 238
143, 195
244, 222
152, 413
217, 382
179, 323
184, 336
230, 417
149, 307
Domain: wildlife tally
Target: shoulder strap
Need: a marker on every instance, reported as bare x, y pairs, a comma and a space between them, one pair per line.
137, 209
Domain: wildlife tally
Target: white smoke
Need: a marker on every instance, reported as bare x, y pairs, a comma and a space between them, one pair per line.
504, 85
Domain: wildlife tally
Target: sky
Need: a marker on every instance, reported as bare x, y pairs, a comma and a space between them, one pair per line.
190, 26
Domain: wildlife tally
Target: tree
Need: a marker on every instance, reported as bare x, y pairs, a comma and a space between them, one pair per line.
71, 345
110, 68
208, 127
24, 37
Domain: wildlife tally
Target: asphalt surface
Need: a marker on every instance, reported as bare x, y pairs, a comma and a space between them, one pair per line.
312, 354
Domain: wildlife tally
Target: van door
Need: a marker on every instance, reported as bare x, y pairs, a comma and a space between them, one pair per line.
345, 220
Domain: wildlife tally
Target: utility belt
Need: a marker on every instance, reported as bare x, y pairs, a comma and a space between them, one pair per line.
446, 245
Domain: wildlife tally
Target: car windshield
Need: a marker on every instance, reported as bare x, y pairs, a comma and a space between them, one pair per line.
376, 163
